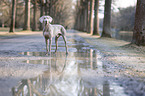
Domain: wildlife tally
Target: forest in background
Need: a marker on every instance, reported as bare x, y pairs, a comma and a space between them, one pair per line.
61, 11
78, 14
122, 20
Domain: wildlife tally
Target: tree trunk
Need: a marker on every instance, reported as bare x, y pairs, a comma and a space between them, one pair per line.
27, 15
88, 8
91, 17
46, 7
96, 19
34, 16
107, 20
85, 19
82, 20
79, 21
49, 7
139, 27
41, 13
12, 26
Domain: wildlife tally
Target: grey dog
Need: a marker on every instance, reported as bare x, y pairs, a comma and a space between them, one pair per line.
50, 31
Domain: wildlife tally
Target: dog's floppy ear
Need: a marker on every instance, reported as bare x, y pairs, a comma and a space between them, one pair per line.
41, 19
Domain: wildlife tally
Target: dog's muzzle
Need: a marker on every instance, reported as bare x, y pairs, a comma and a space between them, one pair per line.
46, 21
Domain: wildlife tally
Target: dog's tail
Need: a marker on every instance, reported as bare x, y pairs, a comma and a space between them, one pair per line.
63, 31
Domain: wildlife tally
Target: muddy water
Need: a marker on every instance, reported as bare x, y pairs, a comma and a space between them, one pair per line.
81, 73
72, 75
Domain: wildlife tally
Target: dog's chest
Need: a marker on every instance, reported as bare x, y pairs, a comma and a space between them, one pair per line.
47, 32
47, 29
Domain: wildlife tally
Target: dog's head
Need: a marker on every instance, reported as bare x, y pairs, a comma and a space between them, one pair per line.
45, 19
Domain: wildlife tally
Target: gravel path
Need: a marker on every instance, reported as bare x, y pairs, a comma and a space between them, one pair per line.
121, 59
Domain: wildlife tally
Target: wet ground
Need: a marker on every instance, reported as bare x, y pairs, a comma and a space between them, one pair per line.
85, 71
124, 35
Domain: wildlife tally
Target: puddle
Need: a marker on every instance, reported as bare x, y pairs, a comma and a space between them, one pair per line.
72, 75
81, 73
124, 35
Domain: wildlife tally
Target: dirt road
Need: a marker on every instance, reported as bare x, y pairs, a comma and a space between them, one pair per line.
94, 67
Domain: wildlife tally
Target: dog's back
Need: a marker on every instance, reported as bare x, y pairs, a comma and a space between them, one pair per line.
58, 29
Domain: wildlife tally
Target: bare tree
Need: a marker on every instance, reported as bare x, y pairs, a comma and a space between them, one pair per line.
139, 28
62, 12
87, 7
96, 19
41, 12
34, 27
12, 26
107, 19
27, 16
3, 11
91, 17
83, 15
77, 15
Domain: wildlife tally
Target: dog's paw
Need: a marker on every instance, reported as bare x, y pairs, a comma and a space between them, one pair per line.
46, 53
66, 53
49, 53
55, 53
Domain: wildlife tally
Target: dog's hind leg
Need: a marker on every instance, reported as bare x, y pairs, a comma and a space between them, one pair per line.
64, 38
56, 42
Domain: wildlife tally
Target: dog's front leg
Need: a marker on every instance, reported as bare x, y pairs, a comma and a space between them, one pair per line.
46, 41
50, 42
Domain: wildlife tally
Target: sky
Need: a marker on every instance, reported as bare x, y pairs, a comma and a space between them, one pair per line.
125, 3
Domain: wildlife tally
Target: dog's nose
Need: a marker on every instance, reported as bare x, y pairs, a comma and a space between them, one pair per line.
46, 21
